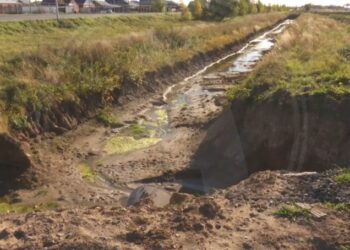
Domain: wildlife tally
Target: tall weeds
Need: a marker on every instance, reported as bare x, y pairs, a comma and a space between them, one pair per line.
308, 60
80, 65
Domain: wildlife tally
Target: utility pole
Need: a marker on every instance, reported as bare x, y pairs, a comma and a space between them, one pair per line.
57, 15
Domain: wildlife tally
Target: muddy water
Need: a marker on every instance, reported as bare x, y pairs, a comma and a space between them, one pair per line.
154, 123
240, 62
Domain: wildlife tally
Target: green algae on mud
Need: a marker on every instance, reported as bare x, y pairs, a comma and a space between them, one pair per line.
162, 116
138, 129
343, 177
26, 208
125, 144
86, 172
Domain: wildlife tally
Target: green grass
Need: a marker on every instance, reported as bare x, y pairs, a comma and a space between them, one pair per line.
291, 212
108, 119
138, 130
341, 206
343, 177
21, 208
86, 172
311, 58
340, 17
41, 33
43, 63
162, 116
125, 144
344, 247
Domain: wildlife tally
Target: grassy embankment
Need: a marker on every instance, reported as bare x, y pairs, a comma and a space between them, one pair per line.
312, 58
42, 62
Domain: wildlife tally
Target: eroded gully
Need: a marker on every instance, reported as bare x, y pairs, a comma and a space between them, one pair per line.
158, 140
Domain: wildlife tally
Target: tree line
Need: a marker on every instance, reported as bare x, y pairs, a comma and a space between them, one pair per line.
220, 9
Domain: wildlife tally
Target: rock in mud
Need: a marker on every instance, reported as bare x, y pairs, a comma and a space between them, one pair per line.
159, 197
134, 237
4, 234
19, 234
209, 210
179, 198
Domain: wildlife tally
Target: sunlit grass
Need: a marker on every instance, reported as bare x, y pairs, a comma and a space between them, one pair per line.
341, 206
107, 118
291, 212
21, 208
310, 59
43, 63
125, 144
86, 172
343, 177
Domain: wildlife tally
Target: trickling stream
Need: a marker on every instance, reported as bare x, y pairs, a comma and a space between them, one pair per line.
237, 63
154, 124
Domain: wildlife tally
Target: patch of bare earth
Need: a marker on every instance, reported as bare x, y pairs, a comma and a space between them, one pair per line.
238, 218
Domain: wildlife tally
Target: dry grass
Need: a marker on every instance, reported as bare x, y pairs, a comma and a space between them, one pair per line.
307, 60
97, 56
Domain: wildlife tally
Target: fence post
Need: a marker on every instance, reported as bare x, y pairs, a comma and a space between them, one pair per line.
57, 15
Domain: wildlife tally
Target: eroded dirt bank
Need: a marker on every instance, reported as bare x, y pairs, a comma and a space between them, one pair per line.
62, 117
14, 161
305, 133
87, 176
65, 116
298, 133
101, 165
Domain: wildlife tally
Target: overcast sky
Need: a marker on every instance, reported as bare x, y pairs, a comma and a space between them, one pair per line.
302, 2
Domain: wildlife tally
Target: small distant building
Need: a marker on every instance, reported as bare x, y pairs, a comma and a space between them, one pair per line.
125, 5
71, 6
134, 4
172, 6
103, 6
10, 7
122, 3
169, 5
86, 6
145, 5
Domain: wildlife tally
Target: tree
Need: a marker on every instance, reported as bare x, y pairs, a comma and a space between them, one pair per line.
198, 9
268, 8
219, 9
185, 13
261, 7
307, 7
254, 8
243, 7
158, 5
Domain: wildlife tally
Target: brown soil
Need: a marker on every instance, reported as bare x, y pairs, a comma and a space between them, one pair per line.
23, 171
312, 131
238, 218
91, 214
